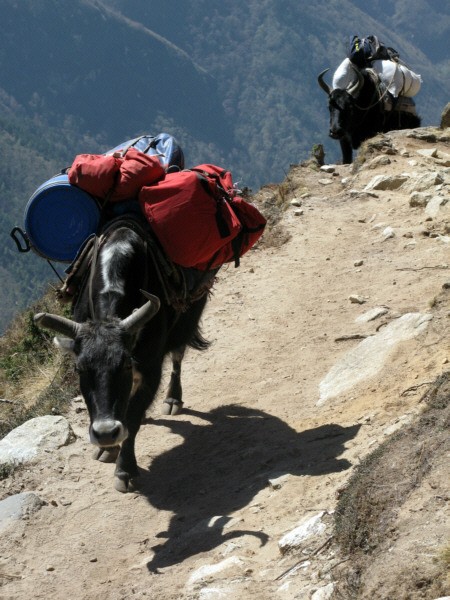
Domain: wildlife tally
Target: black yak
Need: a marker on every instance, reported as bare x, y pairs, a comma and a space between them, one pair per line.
359, 112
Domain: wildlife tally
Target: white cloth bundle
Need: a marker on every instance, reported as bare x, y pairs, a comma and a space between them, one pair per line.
398, 79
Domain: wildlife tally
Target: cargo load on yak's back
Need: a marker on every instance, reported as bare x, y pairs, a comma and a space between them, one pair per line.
57, 219
196, 215
397, 79
59, 215
370, 53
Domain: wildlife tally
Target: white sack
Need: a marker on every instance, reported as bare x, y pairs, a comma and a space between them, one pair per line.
399, 80
344, 75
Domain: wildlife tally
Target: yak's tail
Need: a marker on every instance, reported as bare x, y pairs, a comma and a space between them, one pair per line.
198, 342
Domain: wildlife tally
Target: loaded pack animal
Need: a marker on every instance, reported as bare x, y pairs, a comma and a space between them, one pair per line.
123, 326
358, 112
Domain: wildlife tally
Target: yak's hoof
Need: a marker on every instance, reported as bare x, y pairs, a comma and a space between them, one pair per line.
106, 455
171, 406
124, 484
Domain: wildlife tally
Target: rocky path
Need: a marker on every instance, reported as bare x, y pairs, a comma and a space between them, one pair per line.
306, 375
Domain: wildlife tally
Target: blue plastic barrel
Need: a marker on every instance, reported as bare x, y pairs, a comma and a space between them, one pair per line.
59, 217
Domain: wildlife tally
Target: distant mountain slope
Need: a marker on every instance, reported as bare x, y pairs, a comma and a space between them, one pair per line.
115, 76
424, 23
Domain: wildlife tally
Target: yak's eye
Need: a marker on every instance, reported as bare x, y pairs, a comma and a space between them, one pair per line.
80, 368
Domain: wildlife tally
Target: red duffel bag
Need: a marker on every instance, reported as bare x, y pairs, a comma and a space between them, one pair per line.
115, 178
190, 222
197, 220
252, 223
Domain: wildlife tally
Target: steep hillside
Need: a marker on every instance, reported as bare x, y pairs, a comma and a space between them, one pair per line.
110, 73
309, 462
404, 16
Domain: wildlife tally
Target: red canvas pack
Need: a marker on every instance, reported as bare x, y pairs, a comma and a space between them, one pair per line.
217, 177
252, 221
253, 224
94, 173
112, 177
137, 169
190, 216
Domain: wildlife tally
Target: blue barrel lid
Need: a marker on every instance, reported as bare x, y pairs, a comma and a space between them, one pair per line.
59, 217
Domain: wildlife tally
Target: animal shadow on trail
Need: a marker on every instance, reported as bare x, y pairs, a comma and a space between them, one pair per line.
221, 466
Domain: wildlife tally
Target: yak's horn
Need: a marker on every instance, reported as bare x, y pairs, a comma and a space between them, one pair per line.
322, 83
142, 315
61, 325
354, 88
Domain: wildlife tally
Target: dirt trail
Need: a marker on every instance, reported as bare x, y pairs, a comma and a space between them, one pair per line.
251, 412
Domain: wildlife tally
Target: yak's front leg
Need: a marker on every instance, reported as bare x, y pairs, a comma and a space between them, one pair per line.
347, 152
173, 403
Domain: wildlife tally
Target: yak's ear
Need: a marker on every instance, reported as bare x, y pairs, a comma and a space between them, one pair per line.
64, 344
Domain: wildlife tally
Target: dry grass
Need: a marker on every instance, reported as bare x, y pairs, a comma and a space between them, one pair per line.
381, 484
273, 200
372, 147
444, 559
34, 378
